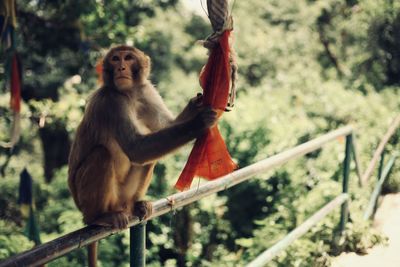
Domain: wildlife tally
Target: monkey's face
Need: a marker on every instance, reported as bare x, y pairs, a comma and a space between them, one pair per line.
125, 67
122, 63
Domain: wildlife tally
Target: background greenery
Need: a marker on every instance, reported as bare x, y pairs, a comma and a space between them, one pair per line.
306, 67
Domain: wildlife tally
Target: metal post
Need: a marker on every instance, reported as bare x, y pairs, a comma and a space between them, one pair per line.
380, 168
378, 178
356, 159
346, 170
381, 165
138, 245
371, 208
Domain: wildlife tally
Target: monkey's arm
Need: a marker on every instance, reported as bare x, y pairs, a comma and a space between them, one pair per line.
194, 106
109, 118
161, 116
143, 149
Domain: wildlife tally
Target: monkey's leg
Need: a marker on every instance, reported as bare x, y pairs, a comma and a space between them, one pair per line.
143, 209
97, 191
117, 219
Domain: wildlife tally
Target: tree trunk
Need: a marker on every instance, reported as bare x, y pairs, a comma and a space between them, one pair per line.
56, 146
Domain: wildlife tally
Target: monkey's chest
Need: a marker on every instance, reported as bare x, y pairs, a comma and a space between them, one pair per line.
122, 166
139, 124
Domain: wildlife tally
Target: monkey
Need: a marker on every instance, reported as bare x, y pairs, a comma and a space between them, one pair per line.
125, 129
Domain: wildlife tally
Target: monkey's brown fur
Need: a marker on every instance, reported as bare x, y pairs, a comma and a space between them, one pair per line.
126, 128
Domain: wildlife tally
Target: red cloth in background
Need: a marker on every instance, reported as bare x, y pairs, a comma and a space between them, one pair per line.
210, 157
15, 101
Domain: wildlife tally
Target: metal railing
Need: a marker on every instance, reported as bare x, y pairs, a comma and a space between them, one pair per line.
54, 249
383, 171
382, 175
342, 199
269, 254
380, 149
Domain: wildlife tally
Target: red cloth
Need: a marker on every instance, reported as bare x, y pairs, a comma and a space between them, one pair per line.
15, 101
99, 71
210, 157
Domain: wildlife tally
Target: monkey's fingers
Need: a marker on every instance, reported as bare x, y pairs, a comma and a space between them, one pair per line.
209, 117
210, 112
197, 101
143, 209
123, 221
199, 97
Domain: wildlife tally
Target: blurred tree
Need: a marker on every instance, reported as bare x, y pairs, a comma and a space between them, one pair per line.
361, 38
384, 42
60, 39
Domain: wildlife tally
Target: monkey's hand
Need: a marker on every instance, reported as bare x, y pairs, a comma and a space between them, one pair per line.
206, 118
196, 103
193, 108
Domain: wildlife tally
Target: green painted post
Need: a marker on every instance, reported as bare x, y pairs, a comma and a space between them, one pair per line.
345, 185
138, 245
380, 169
381, 165
356, 159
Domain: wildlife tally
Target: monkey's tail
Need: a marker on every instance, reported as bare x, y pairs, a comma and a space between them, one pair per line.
92, 254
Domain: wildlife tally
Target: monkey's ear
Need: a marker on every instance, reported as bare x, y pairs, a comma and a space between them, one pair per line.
107, 72
146, 66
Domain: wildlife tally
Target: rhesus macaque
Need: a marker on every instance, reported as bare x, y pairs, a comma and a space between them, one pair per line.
126, 128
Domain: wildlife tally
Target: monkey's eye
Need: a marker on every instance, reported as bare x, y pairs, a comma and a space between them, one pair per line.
129, 57
115, 58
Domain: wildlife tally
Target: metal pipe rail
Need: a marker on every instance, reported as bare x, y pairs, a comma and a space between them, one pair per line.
269, 254
380, 153
378, 187
82, 237
371, 166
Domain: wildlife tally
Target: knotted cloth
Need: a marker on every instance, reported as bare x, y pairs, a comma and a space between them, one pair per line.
209, 157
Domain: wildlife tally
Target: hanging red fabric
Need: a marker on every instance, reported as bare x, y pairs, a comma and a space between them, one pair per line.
210, 158
15, 101
99, 71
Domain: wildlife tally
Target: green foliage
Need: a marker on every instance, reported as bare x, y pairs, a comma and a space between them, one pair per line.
305, 68
358, 237
12, 240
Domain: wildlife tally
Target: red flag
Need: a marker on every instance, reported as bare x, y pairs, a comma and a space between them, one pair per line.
99, 71
15, 101
210, 157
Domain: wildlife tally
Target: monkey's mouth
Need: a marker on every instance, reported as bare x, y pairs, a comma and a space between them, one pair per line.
123, 77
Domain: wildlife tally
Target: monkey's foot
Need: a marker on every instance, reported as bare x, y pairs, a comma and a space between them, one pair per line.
143, 209
117, 220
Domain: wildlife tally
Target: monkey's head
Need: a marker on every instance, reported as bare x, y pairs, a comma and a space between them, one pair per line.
125, 67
